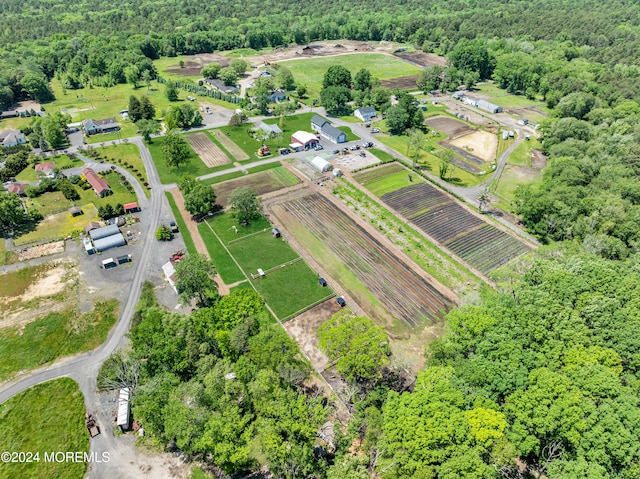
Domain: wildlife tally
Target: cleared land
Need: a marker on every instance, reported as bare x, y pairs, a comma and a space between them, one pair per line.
47, 418
480, 244
450, 127
231, 147
262, 182
58, 226
480, 143
289, 285
207, 150
401, 83
391, 281
310, 71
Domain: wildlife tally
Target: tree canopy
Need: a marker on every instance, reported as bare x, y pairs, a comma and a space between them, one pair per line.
244, 204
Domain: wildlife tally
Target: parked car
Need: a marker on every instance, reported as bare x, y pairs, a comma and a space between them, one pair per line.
173, 226
367, 144
319, 147
335, 152
367, 125
355, 147
340, 300
375, 130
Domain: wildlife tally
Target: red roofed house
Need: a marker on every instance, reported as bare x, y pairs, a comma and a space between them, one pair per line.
46, 169
17, 188
100, 185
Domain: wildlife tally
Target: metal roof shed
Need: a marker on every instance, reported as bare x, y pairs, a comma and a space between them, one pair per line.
112, 241
104, 232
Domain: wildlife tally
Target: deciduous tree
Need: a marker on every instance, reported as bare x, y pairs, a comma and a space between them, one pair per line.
244, 204
175, 149
194, 278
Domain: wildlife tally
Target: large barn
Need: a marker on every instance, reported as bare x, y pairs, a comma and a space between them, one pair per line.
106, 238
303, 140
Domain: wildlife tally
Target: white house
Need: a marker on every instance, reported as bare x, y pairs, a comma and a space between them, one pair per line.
366, 113
12, 138
327, 130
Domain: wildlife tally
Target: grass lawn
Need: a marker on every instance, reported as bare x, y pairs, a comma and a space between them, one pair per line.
53, 336
27, 175
184, 231
168, 174
384, 67
430, 161
58, 226
6, 257
382, 155
505, 99
351, 119
350, 135
49, 203
16, 123
276, 288
261, 251
104, 102
241, 135
128, 153
48, 418
510, 179
392, 182
243, 285
522, 154
226, 267
63, 162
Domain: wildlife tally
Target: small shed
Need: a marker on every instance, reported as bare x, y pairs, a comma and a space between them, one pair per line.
124, 420
76, 211
276, 232
109, 263
88, 246
125, 258
131, 207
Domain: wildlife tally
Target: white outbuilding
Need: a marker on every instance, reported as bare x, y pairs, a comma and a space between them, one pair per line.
321, 164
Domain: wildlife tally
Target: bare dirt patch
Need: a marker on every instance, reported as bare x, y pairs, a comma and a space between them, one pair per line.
422, 59
401, 83
449, 126
231, 147
207, 150
262, 182
41, 250
194, 63
538, 159
191, 225
479, 143
303, 329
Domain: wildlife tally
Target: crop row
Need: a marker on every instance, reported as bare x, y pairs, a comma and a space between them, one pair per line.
372, 175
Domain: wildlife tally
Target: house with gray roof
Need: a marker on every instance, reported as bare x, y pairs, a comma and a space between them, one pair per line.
277, 95
366, 113
93, 127
327, 130
220, 85
273, 129
11, 137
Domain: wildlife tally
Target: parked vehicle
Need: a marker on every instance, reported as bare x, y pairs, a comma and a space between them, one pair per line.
335, 152
375, 130
319, 147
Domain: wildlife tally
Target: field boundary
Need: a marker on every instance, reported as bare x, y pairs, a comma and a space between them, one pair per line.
279, 267
251, 235
208, 152
307, 308
231, 147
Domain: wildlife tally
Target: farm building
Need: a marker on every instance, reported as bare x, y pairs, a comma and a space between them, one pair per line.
46, 169
99, 185
366, 113
93, 127
272, 129
123, 421
93, 225
106, 238
131, 207
12, 138
219, 85
75, 211
17, 188
88, 246
169, 273
327, 130
303, 140
458, 95
321, 164
488, 106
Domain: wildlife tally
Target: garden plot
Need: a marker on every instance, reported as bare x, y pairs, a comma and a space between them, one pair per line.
450, 127
231, 147
407, 295
481, 245
207, 150
262, 182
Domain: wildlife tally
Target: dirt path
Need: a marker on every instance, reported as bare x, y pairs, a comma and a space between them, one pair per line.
191, 225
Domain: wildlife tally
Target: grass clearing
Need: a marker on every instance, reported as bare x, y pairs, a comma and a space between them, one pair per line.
350, 135
27, 175
48, 417
57, 226
256, 248
310, 71
127, 153
238, 174
521, 156
55, 335
63, 162
382, 155
184, 231
226, 267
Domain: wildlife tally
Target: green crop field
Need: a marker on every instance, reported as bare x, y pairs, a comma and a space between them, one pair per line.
47, 418
254, 248
392, 182
384, 67
225, 266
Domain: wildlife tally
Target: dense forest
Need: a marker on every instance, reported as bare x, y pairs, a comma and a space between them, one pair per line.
539, 378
